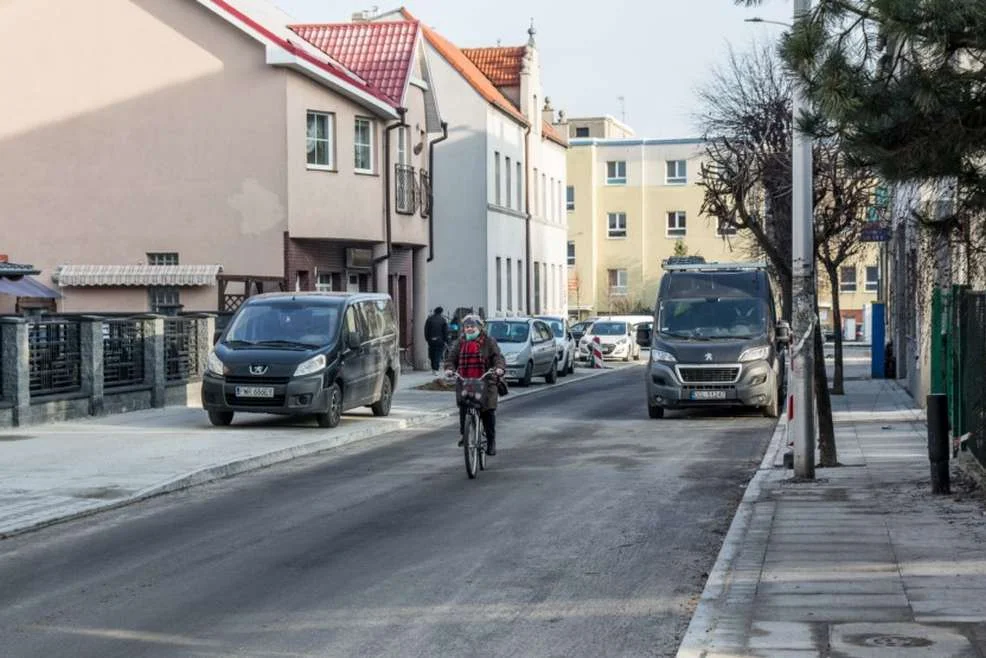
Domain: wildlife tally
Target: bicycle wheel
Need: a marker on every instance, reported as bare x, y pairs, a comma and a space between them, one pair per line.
482, 448
471, 445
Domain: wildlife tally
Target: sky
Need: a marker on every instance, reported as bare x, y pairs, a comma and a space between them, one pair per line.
653, 53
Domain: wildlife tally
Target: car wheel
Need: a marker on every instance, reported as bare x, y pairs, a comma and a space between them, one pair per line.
333, 414
528, 375
220, 418
563, 366
655, 412
382, 406
571, 365
552, 375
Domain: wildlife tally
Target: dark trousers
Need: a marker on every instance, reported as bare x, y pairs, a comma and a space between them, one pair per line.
435, 351
487, 416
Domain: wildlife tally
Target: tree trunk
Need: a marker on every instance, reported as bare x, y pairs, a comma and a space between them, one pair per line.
826, 428
838, 379
787, 305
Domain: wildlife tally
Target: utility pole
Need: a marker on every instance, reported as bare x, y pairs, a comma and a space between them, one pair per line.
803, 283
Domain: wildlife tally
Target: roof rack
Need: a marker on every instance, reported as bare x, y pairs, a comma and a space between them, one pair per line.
714, 266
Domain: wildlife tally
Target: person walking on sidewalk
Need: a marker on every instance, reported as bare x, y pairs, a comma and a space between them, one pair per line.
436, 335
471, 356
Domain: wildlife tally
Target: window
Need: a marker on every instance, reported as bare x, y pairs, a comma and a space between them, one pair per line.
403, 139
570, 197
571, 252
363, 142
352, 324
617, 224
520, 285
162, 258
319, 141
507, 185
537, 288
676, 224
677, 172
510, 284
499, 284
534, 192
582, 132
872, 278
162, 299
496, 178
324, 282
725, 227
847, 279
544, 195
617, 282
520, 187
616, 172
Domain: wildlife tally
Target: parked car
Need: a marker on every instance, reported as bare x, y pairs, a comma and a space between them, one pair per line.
617, 338
528, 346
304, 353
579, 328
567, 347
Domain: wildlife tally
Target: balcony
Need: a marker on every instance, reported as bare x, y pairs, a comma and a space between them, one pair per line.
405, 189
425, 191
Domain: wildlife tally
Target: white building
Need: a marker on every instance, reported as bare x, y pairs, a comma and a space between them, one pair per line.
500, 223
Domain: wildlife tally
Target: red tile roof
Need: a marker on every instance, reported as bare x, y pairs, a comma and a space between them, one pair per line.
382, 53
548, 132
468, 70
501, 64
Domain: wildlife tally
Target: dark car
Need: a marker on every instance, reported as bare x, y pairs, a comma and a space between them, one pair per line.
305, 353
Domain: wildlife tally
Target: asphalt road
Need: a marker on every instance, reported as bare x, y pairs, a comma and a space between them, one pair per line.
590, 535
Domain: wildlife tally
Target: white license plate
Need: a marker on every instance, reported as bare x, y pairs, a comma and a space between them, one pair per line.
255, 391
708, 395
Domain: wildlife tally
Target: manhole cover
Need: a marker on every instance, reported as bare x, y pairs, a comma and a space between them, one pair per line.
888, 641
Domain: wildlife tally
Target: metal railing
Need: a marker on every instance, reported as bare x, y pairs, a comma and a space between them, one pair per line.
405, 189
55, 356
180, 349
123, 353
425, 191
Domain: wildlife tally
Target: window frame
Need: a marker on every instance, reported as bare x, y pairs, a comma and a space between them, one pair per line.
609, 228
321, 287
582, 132
618, 289
155, 257
570, 198
676, 232
847, 286
508, 182
570, 254
404, 145
371, 124
616, 180
154, 303
731, 229
875, 282
329, 140
681, 173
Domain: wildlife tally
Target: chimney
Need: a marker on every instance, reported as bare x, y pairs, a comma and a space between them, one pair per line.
562, 118
548, 112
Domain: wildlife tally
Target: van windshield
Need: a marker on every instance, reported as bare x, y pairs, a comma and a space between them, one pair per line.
508, 332
712, 318
609, 329
285, 324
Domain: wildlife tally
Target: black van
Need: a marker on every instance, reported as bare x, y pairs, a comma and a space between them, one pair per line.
716, 339
304, 353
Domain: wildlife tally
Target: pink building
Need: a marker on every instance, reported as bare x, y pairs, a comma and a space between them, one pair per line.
161, 154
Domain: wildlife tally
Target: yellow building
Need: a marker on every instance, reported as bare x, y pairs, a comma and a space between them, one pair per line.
859, 286
631, 203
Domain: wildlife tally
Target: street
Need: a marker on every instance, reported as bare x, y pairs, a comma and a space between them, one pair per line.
589, 535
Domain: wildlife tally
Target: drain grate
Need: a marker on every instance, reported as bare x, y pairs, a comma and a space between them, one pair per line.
887, 641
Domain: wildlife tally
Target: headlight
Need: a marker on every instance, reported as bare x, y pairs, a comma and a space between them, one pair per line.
622, 341
214, 365
511, 358
310, 366
755, 354
662, 356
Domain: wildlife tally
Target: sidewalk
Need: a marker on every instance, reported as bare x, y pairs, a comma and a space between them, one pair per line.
60, 471
863, 561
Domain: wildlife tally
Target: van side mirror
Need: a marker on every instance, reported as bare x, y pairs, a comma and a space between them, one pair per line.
783, 332
353, 340
644, 336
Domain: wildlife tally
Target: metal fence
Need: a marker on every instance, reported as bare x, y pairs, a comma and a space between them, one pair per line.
180, 349
425, 190
405, 189
123, 353
972, 400
55, 354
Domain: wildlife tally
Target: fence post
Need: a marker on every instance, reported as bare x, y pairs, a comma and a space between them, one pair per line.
938, 443
154, 366
91, 345
204, 329
16, 355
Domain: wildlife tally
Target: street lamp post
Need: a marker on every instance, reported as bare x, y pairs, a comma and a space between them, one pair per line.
802, 280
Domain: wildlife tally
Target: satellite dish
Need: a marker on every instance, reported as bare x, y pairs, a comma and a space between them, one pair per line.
418, 147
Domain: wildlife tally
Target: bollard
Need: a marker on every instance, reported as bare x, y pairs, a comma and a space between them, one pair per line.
938, 443
597, 353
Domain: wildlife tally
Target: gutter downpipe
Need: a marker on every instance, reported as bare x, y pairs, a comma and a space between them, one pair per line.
402, 122
527, 220
431, 190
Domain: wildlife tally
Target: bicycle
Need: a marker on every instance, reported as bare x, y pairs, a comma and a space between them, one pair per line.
474, 439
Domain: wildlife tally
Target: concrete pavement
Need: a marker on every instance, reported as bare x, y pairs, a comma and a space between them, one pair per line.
61, 471
862, 562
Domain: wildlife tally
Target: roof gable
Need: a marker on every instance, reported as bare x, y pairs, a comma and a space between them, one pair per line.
501, 65
381, 53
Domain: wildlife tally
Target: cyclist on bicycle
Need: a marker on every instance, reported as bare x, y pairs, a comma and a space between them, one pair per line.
471, 356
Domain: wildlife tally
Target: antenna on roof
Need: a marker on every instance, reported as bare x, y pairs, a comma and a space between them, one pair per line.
531, 32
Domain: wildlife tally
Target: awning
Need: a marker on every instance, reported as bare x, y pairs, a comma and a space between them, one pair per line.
26, 287
138, 275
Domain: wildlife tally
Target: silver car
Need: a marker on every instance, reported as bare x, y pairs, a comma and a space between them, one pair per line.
528, 346
565, 342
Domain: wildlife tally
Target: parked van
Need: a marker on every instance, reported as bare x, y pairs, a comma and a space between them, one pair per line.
304, 353
715, 339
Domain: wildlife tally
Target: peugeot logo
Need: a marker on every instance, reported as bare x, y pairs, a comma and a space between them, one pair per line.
258, 370
708, 356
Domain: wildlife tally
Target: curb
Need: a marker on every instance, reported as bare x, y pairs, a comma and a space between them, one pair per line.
245, 465
704, 620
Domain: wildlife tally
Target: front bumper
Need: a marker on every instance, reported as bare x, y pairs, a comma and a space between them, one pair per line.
754, 387
610, 351
294, 396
